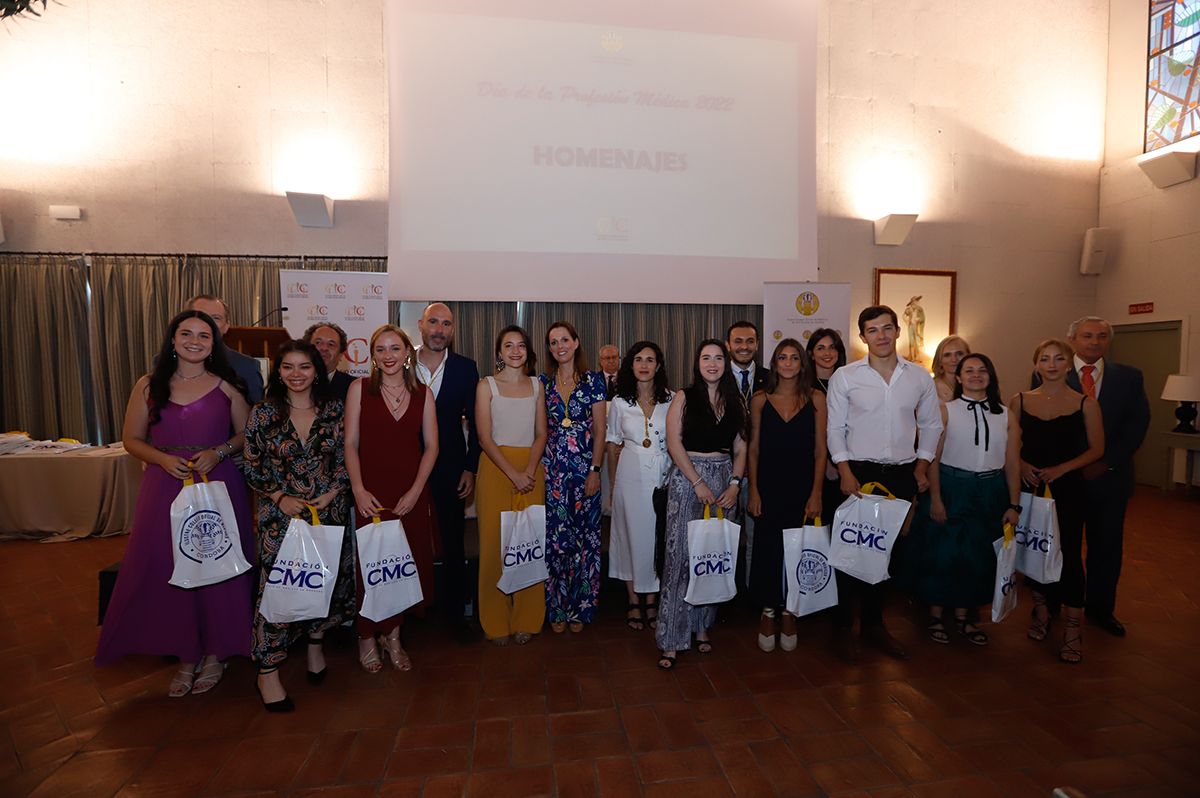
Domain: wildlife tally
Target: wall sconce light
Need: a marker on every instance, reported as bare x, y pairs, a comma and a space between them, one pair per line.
1184, 389
311, 210
66, 213
1169, 168
892, 230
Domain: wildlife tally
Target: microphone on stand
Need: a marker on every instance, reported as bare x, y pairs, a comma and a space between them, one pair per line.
280, 309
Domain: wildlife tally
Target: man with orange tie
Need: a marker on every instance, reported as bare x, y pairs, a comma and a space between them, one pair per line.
1122, 396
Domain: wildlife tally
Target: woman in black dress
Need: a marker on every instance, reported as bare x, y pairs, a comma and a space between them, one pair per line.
787, 470
828, 354
1061, 432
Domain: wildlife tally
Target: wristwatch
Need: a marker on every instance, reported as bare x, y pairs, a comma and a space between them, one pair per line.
1015, 507
596, 469
735, 481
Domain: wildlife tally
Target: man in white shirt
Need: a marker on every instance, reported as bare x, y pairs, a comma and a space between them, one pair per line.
877, 407
452, 379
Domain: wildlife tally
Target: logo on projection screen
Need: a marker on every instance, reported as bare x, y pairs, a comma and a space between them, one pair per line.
612, 228
612, 42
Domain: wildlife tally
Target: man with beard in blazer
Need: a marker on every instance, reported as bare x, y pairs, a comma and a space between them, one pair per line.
1126, 411
452, 378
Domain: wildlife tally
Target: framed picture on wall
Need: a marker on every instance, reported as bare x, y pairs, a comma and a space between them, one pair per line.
924, 300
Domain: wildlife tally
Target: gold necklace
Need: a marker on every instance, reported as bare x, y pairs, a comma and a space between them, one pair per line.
646, 420
179, 376
395, 398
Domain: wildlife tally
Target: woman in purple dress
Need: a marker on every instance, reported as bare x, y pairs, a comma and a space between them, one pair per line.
186, 415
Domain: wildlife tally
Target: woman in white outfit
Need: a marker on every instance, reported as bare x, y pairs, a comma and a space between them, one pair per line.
637, 444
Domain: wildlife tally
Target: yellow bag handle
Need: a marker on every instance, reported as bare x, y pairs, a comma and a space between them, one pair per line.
816, 520
708, 512
312, 511
375, 520
191, 480
1046, 492
1009, 535
871, 487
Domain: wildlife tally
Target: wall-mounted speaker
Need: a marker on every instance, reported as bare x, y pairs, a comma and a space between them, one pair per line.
1096, 244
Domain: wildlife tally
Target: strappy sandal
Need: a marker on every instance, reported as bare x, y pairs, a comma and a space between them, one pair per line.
1071, 650
973, 633
181, 682
208, 677
633, 618
500, 642
521, 638
316, 677
936, 629
398, 656
284, 704
666, 662
1039, 628
651, 612
704, 646
369, 658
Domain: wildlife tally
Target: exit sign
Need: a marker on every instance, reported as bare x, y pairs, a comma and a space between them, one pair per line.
1141, 307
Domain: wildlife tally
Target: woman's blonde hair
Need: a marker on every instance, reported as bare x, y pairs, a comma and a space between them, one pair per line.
1057, 343
938, 371
409, 371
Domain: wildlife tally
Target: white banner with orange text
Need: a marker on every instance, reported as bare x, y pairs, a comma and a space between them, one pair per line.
355, 301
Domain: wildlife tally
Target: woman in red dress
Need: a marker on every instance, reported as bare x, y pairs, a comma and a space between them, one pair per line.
388, 415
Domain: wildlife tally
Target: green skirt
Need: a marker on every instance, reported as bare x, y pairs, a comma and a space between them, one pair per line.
953, 564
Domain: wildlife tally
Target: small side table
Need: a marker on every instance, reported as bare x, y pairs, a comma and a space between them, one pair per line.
1179, 440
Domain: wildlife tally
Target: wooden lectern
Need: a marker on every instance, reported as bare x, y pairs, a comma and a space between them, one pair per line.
256, 341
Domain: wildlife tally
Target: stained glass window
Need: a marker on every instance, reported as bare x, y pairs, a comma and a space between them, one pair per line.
1173, 73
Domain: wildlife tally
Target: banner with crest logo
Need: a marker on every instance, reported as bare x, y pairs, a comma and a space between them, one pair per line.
794, 310
355, 301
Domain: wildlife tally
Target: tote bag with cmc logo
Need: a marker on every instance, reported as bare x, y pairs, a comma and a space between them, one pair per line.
865, 529
300, 582
389, 572
712, 558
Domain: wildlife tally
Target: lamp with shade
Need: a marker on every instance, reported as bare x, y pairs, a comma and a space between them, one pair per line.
1185, 389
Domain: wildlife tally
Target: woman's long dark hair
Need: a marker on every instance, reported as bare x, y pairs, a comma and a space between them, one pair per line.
838, 344
626, 381
165, 363
993, 390
727, 390
277, 392
804, 380
530, 353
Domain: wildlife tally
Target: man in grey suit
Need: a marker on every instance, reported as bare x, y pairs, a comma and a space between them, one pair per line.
1122, 396
245, 366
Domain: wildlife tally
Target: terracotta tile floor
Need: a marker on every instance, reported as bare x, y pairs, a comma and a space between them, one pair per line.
590, 715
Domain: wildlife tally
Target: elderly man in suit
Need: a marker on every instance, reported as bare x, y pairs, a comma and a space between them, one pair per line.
244, 366
452, 379
1123, 404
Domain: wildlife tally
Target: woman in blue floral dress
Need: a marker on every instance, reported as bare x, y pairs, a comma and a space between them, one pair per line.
575, 416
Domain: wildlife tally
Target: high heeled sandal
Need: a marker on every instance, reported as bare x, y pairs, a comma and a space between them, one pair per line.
767, 642
1039, 628
935, 627
369, 659
208, 677
1071, 650
284, 704
666, 662
788, 642
633, 617
398, 656
650, 610
181, 683
975, 635
316, 677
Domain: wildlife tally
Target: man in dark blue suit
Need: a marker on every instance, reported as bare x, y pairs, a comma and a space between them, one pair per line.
244, 366
452, 378
1122, 396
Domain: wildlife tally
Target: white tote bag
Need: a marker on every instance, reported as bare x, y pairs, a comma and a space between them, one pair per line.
865, 530
300, 584
389, 573
522, 548
204, 532
712, 557
1039, 553
811, 586
1004, 595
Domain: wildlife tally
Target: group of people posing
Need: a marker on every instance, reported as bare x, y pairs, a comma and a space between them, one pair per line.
774, 447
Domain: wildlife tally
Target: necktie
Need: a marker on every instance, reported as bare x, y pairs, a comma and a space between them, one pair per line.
746, 383
612, 384
1088, 381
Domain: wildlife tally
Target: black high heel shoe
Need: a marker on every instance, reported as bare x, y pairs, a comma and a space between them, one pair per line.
285, 704
316, 677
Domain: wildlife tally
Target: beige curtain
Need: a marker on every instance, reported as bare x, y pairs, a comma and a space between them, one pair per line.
43, 330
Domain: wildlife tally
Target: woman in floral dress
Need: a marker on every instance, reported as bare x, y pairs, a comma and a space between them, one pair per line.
295, 460
575, 402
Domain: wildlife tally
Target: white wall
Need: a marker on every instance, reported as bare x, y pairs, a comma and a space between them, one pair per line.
983, 117
177, 125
